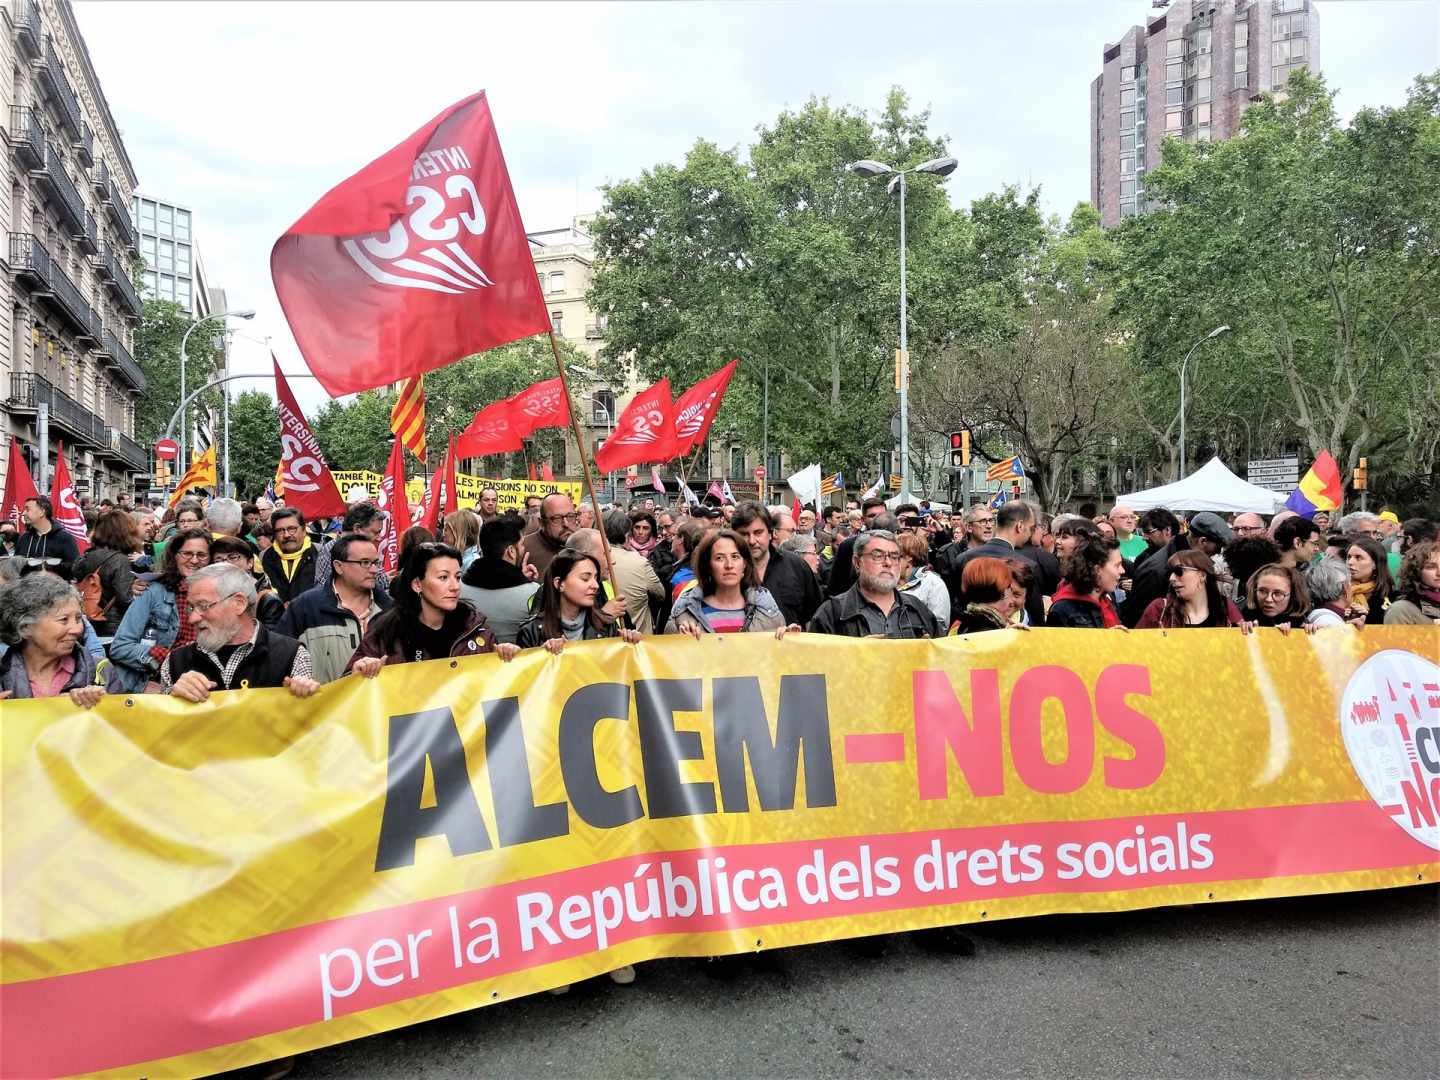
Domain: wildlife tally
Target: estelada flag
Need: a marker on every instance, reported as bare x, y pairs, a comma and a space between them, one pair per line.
696, 408
491, 432
418, 259
644, 433
64, 504
1320, 488
200, 474
19, 484
309, 487
539, 406
391, 500
443, 499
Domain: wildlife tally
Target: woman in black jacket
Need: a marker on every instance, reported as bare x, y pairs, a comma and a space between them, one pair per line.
1090, 574
567, 610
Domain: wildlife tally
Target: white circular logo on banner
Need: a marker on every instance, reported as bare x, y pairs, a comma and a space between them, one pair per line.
1390, 718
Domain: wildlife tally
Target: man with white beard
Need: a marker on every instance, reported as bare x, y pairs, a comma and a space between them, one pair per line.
231, 649
872, 607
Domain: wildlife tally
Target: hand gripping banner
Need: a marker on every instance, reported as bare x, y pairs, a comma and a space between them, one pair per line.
191, 888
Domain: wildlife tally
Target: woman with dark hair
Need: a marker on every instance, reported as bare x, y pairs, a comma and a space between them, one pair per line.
1090, 573
1369, 578
1418, 602
726, 598
159, 618
570, 606
988, 587
1193, 598
644, 533
410, 539
41, 622
1276, 595
1244, 556
114, 540
428, 620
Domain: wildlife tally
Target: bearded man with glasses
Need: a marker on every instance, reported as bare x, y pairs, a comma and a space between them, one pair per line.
558, 520
331, 619
873, 607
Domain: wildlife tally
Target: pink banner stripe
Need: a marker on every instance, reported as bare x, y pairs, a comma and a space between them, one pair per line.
172, 1005
872, 748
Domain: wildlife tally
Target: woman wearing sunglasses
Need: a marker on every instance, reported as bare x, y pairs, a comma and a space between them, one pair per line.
1192, 598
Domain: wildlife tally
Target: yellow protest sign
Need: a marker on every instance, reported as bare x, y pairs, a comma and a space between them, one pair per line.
258, 876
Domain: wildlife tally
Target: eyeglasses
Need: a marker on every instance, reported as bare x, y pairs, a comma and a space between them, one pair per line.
1179, 571
193, 556
236, 558
366, 564
203, 606
883, 556
561, 517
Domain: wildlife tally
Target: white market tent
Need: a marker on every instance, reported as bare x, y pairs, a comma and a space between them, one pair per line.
1213, 487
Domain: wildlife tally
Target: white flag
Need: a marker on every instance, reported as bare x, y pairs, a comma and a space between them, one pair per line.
806, 485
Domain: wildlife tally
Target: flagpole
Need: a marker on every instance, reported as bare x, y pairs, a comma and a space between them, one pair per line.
585, 464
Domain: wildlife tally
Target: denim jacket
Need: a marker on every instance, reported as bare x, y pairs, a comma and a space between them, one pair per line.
152, 615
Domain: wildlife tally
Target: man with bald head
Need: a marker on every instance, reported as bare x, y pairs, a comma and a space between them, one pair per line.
1248, 526
1122, 520
557, 521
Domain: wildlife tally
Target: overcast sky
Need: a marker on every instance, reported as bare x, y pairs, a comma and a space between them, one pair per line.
248, 112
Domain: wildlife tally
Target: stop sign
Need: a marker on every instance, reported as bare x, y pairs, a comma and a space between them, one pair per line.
167, 449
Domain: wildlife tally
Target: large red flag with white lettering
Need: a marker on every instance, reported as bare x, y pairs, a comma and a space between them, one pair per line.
418, 259
64, 505
391, 499
309, 487
491, 432
539, 406
19, 484
695, 410
644, 433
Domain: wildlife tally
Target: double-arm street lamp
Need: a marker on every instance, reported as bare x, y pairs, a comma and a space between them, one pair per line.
184, 340
936, 167
1183, 365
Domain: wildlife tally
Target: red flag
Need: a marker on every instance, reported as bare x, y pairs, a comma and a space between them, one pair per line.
695, 410
716, 490
546, 473
539, 406
19, 484
443, 498
391, 499
66, 506
309, 487
418, 259
644, 433
532, 471
491, 432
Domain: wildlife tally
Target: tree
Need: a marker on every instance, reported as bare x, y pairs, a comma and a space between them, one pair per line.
157, 350
1320, 245
254, 442
789, 262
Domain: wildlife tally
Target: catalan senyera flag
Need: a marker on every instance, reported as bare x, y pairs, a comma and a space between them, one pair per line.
200, 474
831, 484
407, 416
1321, 488
1009, 469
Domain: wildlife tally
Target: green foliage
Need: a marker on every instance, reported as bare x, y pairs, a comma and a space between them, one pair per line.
157, 350
254, 442
790, 263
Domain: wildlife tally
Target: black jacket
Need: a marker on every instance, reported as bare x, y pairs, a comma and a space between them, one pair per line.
794, 586
843, 615
269, 662
842, 568
56, 544
289, 588
532, 632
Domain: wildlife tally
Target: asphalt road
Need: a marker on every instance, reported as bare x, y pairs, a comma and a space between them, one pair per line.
1334, 986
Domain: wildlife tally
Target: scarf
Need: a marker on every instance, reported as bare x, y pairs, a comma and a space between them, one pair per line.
1108, 615
1360, 596
643, 550
291, 563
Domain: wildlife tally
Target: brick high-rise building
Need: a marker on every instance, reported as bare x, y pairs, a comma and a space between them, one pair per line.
1189, 72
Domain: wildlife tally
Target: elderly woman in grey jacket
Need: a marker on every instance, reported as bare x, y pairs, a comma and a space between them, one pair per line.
725, 599
40, 621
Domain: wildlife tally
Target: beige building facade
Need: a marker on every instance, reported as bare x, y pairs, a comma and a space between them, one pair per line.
68, 306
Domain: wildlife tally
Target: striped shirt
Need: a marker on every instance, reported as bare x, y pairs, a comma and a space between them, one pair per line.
724, 620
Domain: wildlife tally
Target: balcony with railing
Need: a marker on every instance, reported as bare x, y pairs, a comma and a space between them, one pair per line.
112, 267
119, 356
84, 145
28, 31
54, 82
28, 391
88, 237
27, 137
128, 451
56, 182
30, 261
101, 178
119, 209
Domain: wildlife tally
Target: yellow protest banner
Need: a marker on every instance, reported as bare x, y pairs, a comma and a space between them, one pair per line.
199, 887
512, 493
346, 479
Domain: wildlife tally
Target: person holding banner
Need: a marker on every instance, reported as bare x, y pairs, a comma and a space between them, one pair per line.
568, 610
1085, 599
992, 599
1193, 597
1275, 595
41, 621
158, 620
428, 621
727, 599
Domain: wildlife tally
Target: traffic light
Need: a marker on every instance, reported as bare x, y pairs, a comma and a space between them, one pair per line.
1362, 472
959, 449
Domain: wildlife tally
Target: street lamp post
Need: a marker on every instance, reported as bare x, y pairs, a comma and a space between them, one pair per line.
1183, 365
184, 340
938, 167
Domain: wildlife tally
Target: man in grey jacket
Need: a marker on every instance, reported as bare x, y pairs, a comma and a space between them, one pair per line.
501, 583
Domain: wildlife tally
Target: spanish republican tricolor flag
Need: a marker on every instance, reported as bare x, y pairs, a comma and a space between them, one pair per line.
1320, 489
407, 417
